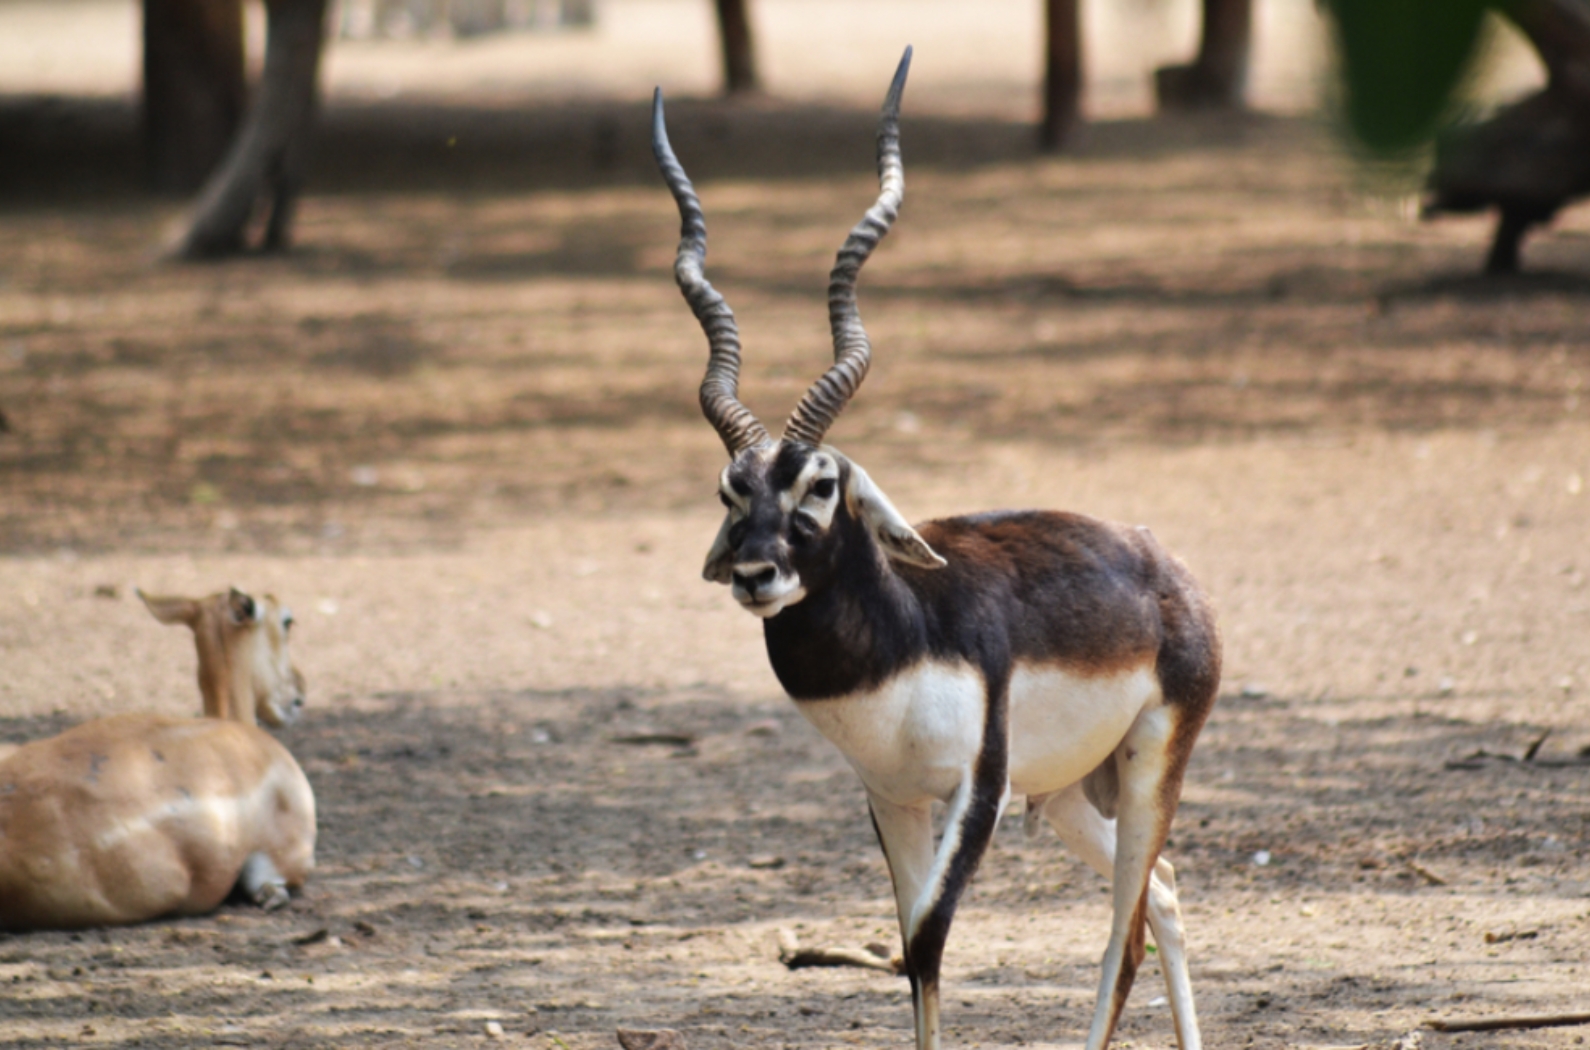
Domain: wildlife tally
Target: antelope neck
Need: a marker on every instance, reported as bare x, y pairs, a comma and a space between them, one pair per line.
854, 631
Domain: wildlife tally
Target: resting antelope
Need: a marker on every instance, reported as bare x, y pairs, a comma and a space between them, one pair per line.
136, 816
1043, 654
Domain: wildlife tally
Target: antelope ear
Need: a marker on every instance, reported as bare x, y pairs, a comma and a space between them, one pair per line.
170, 609
242, 608
899, 540
720, 560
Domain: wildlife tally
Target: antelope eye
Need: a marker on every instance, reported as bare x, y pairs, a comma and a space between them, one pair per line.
723, 498
823, 488
287, 622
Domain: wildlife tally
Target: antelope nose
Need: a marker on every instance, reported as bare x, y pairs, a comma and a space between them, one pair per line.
752, 578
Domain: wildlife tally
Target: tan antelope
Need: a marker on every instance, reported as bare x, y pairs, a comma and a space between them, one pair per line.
136, 816
1043, 654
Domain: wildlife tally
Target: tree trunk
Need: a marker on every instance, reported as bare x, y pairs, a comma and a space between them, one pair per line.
193, 90
1062, 84
739, 56
1532, 157
1218, 77
267, 160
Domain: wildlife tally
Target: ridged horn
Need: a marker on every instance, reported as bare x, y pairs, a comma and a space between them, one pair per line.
720, 401
852, 352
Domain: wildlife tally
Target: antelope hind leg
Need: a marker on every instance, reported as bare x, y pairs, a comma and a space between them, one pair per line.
262, 883
1149, 775
1091, 837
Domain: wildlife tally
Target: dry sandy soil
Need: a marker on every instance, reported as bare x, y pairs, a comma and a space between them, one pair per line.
456, 429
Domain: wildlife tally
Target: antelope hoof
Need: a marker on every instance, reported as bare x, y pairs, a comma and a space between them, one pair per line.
272, 896
263, 884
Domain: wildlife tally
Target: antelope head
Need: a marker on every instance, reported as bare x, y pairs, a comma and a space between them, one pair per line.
794, 507
245, 672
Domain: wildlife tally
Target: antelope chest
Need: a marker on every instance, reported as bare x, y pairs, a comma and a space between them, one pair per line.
919, 736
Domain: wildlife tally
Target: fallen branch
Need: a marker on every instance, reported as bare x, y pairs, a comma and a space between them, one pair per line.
1530, 757
792, 955
1494, 1024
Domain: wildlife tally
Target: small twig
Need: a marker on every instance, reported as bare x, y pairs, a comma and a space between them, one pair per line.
1425, 873
643, 1039
668, 739
1494, 1024
1534, 748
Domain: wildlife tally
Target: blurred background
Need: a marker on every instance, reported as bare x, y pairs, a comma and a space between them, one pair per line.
451, 419
975, 58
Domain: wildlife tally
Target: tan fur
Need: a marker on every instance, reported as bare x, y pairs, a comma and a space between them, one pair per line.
135, 816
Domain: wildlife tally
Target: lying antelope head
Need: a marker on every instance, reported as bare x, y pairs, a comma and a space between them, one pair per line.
245, 672
795, 504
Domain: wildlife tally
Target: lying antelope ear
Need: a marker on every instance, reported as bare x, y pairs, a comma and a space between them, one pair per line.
720, 560
168, 609
242, 608
899, 540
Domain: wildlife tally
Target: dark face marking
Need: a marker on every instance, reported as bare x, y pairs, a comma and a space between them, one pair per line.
788, 464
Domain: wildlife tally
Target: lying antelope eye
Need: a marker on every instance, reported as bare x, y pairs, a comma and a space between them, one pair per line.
823, 488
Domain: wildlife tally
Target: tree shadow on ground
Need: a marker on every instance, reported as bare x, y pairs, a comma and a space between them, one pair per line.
494, 841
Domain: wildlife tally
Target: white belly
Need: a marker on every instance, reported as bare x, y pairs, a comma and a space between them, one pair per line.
918, 737
1062, 725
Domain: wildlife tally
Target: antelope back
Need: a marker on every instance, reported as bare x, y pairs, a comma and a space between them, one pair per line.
134, 816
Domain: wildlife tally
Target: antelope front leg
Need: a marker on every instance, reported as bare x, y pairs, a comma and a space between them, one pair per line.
906, 835
1089, 835
928, 883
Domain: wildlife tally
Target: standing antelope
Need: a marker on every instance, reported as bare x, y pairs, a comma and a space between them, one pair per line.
1044, 654
136, 816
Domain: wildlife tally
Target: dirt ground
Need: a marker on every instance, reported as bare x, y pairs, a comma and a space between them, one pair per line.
456, 429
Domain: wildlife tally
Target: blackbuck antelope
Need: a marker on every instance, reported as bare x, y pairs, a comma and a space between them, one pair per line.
136, 816
1043, 654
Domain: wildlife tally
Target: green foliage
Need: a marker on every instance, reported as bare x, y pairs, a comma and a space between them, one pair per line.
1403, 61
